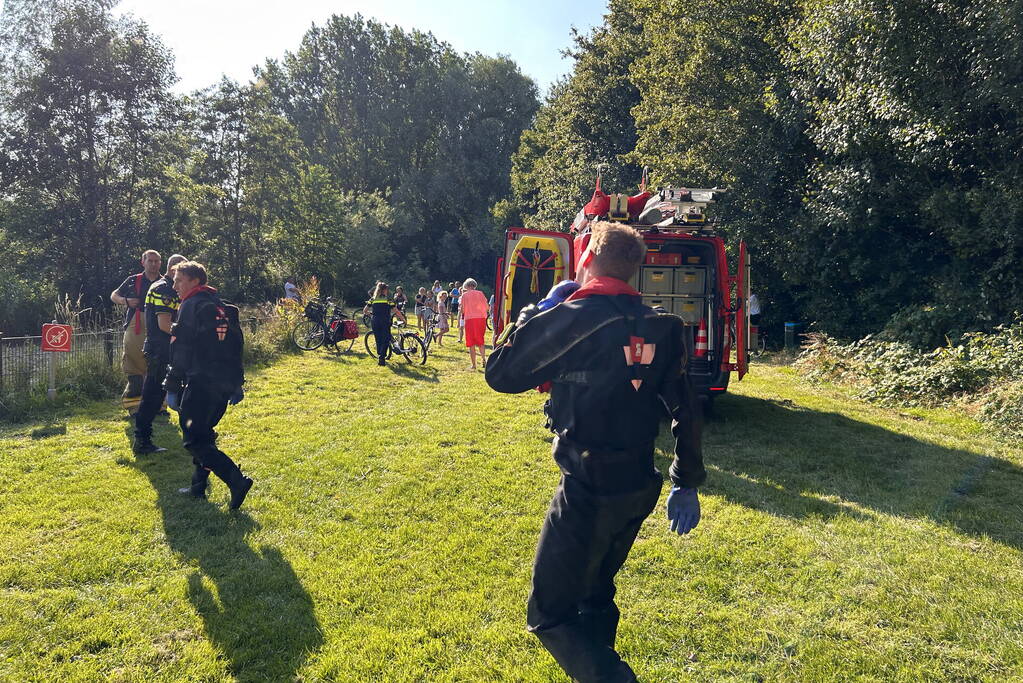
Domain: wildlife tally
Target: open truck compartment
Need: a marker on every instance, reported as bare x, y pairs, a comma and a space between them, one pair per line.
685, 273
687, 276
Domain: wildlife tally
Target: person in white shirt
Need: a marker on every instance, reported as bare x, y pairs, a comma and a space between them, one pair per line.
754, 309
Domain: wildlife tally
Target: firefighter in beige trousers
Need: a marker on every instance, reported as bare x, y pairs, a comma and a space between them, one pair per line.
132, 294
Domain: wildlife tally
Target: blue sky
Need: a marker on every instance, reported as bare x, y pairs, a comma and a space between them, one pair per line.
214, 37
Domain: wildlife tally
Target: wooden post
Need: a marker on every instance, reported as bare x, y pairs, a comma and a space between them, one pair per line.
108, 346
1, 362
51, 392
252, 325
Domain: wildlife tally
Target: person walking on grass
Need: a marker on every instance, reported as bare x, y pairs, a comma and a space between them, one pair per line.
474, 311
204, 376
132, 294
160, 306
604, 409
442, 318
382, 310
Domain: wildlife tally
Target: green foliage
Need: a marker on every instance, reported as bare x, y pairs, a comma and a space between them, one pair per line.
370, 152
273, 335
585, 121
24, 305
982, 371
873, 160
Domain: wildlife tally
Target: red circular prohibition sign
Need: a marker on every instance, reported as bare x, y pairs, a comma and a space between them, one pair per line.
56, 338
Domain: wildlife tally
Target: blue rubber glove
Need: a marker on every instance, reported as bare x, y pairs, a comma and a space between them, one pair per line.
558, 294
174, 401
683, 510
237, 396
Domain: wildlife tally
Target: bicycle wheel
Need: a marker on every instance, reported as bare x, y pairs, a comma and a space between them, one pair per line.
308, 335
412, 347
345, 345
371, 343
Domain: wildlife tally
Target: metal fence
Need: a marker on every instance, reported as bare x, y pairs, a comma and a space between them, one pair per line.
24, 366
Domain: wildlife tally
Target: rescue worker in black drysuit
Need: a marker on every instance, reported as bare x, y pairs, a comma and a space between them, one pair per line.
205, 375
382, 311
160, 305
612, 365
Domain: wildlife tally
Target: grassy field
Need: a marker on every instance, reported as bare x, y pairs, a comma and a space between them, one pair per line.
391, 528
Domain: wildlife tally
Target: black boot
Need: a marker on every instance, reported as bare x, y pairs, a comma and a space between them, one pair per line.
239, 485
200, 480
145, 447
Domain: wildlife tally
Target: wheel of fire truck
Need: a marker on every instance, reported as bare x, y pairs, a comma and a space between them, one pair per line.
707, 404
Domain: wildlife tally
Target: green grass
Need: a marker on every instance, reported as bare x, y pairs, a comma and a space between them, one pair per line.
390, 533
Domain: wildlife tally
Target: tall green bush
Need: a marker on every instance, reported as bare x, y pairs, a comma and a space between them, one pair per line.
981, 371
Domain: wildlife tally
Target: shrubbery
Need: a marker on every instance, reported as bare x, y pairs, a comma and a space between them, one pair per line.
983, 372
273, 336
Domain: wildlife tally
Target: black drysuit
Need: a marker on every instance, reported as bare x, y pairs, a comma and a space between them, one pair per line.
604, 445
206, 375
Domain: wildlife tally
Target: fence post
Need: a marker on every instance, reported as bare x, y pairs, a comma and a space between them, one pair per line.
252, 325
1, 362
108, 346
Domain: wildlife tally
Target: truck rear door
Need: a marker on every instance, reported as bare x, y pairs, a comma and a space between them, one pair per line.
533, 262
742, 312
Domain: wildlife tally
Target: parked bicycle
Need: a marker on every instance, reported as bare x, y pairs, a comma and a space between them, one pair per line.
337, 330
761, 348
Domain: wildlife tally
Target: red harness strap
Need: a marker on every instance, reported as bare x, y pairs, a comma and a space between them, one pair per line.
536, 266
138, 295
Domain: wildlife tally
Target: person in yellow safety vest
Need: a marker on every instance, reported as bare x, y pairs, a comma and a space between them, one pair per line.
382, 309
132, 294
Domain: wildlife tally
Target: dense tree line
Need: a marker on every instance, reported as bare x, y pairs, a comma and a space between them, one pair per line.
873, 147
367, 152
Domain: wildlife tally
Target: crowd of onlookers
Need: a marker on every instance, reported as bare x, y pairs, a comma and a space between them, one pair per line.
461, 305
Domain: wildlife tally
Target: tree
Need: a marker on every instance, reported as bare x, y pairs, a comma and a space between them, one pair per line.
90, 117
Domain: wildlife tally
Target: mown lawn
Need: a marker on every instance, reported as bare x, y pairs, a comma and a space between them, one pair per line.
390, 533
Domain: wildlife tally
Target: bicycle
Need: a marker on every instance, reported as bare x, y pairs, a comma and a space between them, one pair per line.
761, 348
403, 343
317, 329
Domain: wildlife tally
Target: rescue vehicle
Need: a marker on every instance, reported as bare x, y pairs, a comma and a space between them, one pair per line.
685, 273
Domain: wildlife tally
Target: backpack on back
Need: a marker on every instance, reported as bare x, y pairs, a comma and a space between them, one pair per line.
221, 342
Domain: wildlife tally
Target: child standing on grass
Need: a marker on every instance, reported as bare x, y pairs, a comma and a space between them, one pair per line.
421, 308
442, 318
454, 296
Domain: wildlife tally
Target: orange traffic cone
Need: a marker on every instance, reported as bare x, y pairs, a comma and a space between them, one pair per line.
701, 339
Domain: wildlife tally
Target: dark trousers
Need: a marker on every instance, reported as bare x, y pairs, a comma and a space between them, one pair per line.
152, 398
201, 409
382, 335
589, 530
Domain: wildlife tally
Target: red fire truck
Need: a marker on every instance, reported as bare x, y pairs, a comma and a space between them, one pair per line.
685, 274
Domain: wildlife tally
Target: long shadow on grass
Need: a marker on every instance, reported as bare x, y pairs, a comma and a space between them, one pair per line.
420, 373
782, 458
251, 602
